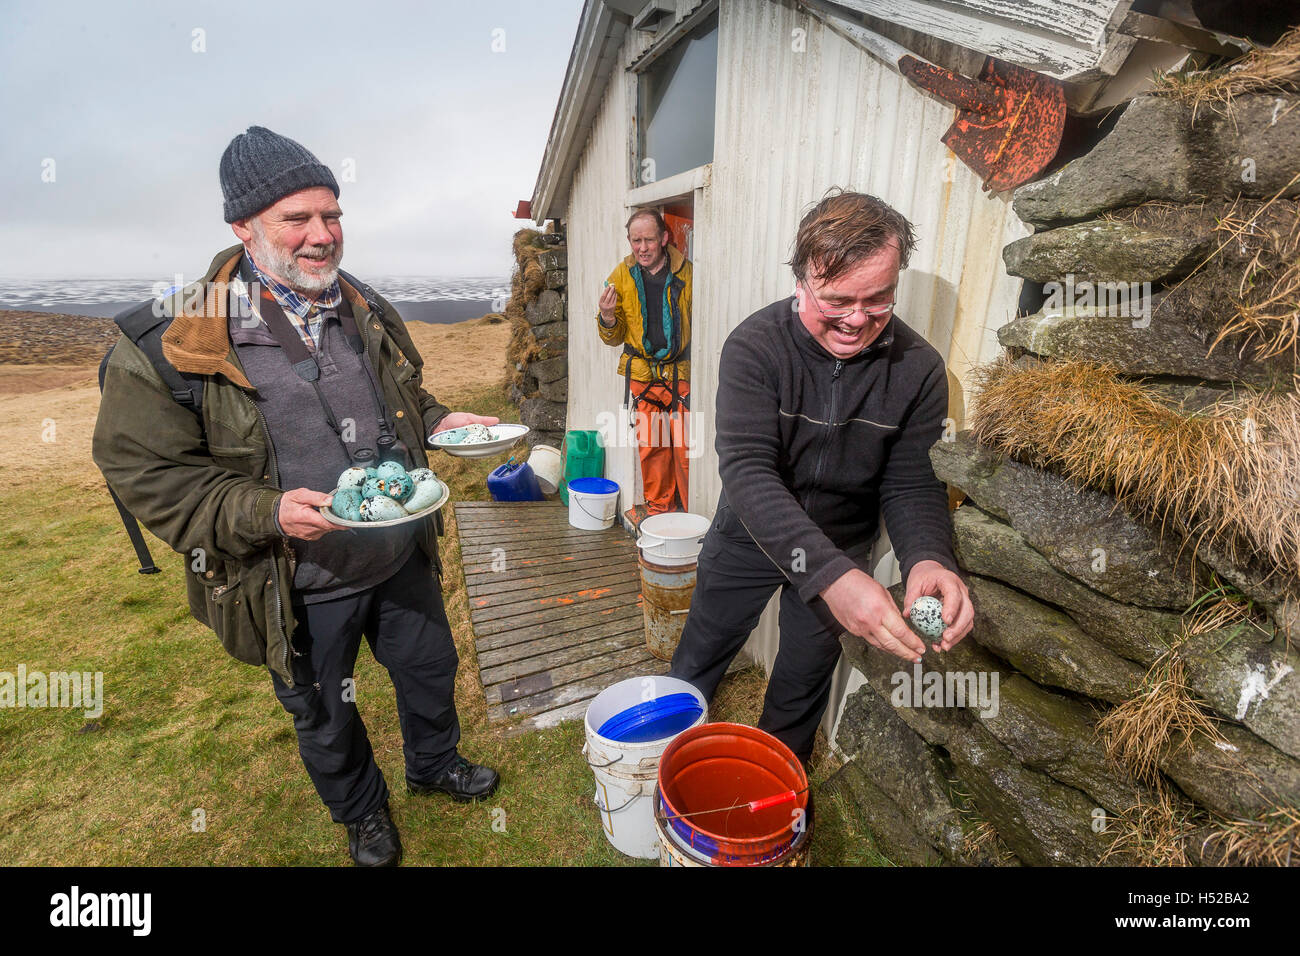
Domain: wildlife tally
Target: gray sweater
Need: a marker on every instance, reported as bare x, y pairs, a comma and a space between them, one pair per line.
310, 454
811, 448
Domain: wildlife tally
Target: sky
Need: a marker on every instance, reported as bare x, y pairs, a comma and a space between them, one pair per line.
113, 117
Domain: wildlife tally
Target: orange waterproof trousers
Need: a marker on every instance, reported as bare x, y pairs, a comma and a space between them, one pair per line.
662, 440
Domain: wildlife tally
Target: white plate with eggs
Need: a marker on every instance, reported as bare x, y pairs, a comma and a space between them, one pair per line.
418, 494
477, 441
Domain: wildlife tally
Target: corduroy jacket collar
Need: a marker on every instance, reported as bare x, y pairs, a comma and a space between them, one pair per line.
198, 339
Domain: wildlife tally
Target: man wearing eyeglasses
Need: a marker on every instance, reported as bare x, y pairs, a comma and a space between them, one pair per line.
827, 407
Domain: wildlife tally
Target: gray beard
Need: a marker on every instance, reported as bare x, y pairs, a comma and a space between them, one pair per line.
286, 267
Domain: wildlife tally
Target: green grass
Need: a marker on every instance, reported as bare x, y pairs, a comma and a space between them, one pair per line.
187, 728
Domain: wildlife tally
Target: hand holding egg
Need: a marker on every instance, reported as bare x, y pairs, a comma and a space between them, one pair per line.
927, 617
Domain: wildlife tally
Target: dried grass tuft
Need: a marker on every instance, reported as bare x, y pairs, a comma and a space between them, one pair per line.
1271, 839
1267, 298
1152, 832
526, 284
1161, 719
1271, 69
1229, 473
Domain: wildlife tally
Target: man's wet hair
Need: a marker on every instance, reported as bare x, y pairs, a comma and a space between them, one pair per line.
845, 228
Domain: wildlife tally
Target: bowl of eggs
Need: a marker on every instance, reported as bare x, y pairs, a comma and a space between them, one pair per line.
384, 495
477, 441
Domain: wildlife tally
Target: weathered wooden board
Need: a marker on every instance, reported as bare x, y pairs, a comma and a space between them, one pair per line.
553, 609
1067, 39
556, 612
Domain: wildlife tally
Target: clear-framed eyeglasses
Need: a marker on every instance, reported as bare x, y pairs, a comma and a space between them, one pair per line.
869, 312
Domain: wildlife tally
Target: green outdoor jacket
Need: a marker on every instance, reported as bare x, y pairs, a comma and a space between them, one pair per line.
209, 489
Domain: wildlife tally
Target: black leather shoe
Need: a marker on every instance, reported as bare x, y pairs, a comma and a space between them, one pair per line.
373, 840
465, 781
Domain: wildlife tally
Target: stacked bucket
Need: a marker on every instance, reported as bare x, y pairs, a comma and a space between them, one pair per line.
690, 793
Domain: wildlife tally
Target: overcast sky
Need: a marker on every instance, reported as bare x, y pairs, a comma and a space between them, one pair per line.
445, 134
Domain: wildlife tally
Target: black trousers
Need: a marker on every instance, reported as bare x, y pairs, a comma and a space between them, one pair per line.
406, 626
734, 581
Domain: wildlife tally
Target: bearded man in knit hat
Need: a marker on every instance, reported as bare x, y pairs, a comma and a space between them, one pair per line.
228, 411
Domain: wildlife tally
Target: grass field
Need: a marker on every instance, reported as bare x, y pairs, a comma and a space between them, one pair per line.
186, 728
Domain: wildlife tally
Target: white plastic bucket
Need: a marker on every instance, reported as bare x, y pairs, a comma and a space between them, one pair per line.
672, 538
592, 510
627, 774
545, 462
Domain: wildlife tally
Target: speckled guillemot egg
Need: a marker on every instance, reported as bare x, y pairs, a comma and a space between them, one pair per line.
352, 478
347, 504
372, 487
421, 474
381, 508
426, 494
389, 469
476, 433
398, 487
927, 617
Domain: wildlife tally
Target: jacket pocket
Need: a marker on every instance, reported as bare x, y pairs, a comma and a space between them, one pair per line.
403, 377
230, 616
726, 522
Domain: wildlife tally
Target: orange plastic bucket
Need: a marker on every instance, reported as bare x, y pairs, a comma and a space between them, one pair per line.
707, 777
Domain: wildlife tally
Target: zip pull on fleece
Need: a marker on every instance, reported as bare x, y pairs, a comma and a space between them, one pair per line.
839, 365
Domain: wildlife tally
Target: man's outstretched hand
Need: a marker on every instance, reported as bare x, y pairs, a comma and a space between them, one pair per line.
297, 515
457, 419
932, 578
865, 608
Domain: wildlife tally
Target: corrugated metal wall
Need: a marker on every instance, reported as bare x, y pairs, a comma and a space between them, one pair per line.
799, 110
596, 243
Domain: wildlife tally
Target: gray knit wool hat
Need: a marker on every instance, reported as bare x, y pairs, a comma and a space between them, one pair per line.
260, 167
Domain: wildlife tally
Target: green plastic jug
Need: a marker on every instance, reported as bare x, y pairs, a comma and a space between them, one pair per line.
584, 457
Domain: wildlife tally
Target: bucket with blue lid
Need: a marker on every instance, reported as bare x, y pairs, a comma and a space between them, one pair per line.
593, 503
628, 726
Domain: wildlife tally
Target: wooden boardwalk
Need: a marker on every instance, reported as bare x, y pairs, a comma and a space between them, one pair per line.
556, 612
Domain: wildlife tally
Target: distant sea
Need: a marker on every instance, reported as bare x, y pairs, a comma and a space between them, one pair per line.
418, 298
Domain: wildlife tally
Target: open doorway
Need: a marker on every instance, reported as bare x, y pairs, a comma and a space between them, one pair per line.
680, 216
658, 423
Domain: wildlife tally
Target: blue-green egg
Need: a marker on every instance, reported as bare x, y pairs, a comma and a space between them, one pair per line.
398, 487
421, 474
426, 495
347, 504
389, 469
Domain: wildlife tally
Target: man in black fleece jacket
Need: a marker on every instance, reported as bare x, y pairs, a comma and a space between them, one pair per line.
826, 410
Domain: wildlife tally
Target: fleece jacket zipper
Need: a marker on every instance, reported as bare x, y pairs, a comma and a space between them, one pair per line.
826, 440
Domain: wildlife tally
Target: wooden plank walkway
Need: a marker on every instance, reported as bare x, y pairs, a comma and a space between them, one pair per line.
556, 612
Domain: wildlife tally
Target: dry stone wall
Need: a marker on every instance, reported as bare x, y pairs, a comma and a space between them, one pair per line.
538, 311
1196, 210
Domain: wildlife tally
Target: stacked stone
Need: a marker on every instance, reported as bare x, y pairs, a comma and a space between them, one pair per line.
1069, 635
542, 393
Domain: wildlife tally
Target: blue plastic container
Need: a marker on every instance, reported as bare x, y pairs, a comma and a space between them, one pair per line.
514, 483
654, 719
594, 486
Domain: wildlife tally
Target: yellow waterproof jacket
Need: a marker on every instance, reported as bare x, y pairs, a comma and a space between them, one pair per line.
629, 322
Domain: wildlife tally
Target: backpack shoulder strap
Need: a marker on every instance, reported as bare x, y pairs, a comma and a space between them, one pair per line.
144, 325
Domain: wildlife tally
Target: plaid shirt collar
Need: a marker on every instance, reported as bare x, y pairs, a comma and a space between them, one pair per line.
307, 316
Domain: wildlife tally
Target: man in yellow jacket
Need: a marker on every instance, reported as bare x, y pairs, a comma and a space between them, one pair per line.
645, 307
